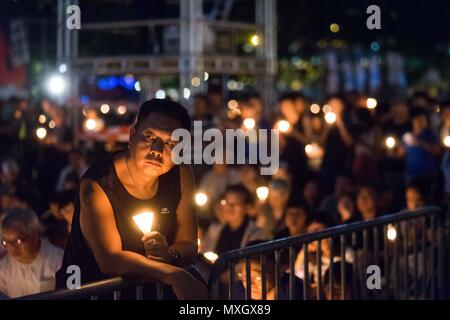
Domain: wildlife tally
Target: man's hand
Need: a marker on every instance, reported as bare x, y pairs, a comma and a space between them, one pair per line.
156, 247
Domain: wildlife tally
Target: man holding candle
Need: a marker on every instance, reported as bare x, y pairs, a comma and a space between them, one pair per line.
105, 240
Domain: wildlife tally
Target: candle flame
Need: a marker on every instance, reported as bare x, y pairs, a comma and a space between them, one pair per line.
211, 256
144, 221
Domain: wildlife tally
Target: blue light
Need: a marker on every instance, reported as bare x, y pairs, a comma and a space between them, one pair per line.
107, 83
375, 46
85, 99
127, 82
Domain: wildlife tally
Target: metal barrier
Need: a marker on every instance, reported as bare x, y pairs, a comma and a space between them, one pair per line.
397, 256
407, 248
111, 289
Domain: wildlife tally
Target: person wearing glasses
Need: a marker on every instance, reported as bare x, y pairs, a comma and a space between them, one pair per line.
238, 229
31, 261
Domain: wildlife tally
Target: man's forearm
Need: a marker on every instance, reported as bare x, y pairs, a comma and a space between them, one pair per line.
130, 264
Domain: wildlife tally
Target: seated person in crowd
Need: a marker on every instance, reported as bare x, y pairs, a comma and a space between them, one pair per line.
256, 281
294, 219
57, 221
366, 202
31, 261
347, 209
238, 229
317, 223
276, 205
343, 185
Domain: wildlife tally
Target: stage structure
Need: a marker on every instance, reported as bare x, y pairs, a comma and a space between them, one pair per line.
194, 47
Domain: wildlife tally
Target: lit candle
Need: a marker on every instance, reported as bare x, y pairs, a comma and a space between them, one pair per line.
371, 103
330, 117
144, 221
41, 133
391, 233
249, 123
201, 199
211, 256
90, 124
283, 126
262, 193
390, 142
446, 141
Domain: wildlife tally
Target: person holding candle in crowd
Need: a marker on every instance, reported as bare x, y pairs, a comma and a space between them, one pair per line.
421, 147
337, 141
105, 240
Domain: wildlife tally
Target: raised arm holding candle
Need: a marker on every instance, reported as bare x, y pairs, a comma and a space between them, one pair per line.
114, 232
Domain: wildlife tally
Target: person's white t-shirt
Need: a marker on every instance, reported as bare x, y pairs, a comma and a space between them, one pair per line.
19, 279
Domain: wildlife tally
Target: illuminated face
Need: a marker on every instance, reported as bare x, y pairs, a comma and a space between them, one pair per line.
277, 198
20, 246
289, 111
151, 144
256, 284
234, 208
336, 105
413, 199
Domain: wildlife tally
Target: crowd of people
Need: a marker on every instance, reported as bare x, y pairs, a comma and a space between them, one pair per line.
347, 159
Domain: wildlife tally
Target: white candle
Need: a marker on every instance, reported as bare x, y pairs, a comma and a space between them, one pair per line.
144, 221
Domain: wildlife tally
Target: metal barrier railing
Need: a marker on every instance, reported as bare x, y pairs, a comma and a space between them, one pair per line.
397, 256
111, 289
409, 247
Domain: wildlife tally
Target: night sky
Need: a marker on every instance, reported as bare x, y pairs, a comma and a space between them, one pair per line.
415, 27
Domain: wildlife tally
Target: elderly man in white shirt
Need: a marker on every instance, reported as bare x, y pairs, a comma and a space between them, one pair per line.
31, 261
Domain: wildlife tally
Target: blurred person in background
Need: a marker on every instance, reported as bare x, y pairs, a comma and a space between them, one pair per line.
312, 194
32, 261
337, 141
347, 209
256, 280
392, 164
238, 229
343, 185
421, 147
77, 164
366, 202
295, 220
415, 196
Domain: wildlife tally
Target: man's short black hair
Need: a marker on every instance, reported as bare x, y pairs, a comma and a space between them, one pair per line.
168, 108
239, 188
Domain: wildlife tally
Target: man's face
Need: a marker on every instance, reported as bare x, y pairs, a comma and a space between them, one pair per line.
234, 208
19, 245
151, 144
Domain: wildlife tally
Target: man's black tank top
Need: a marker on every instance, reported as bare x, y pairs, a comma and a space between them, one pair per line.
164, 205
